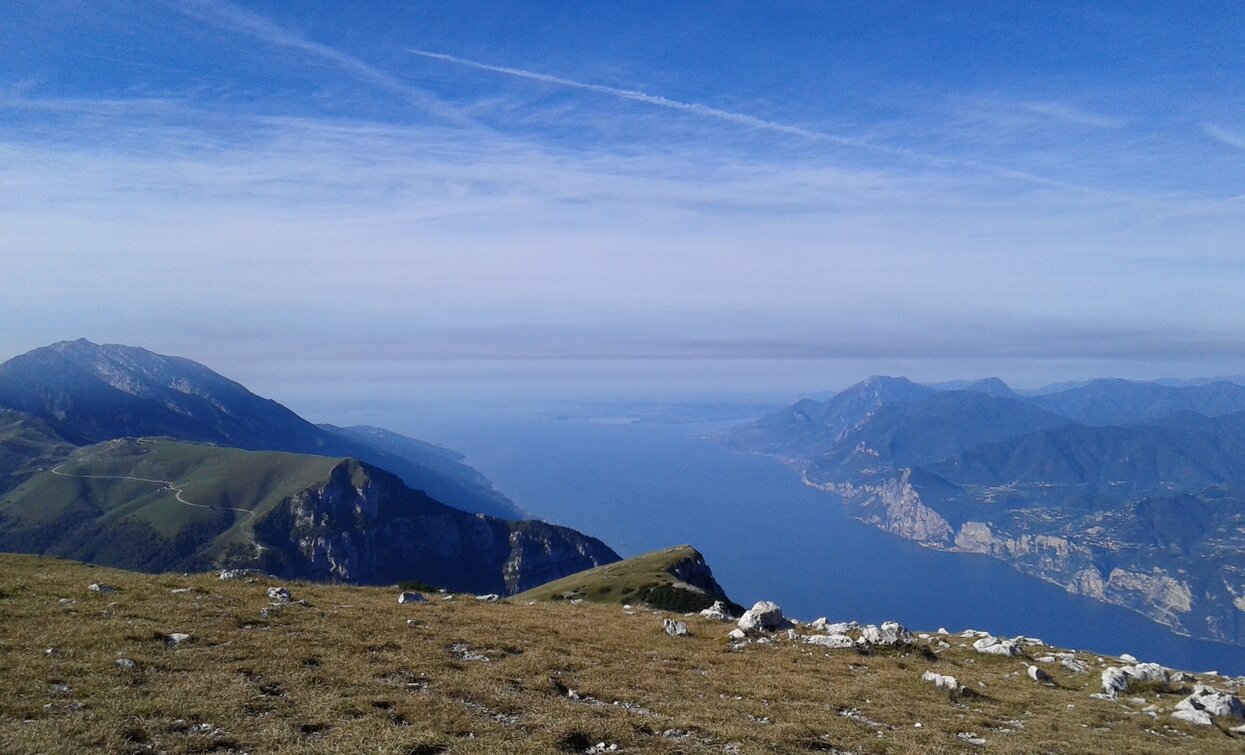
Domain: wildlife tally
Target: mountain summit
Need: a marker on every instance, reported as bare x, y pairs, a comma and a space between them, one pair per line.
87, 393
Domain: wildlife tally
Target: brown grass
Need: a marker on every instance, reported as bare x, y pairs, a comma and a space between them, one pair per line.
348, 674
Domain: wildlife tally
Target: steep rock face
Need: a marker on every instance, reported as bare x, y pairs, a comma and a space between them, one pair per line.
693, 570
893, 505
362, 525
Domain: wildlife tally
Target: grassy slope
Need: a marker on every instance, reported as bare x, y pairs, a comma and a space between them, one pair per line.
356, 667
620, 582
51, 505
26, 445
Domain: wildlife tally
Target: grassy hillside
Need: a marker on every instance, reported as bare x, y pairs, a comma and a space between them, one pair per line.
355, 671
27, 445
85, 509
657, 579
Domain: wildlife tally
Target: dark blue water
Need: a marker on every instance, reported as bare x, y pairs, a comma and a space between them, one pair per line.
640, 487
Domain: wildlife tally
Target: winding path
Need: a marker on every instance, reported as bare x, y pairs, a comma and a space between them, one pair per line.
168, 485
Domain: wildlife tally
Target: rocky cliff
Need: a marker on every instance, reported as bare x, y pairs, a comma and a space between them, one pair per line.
363, 525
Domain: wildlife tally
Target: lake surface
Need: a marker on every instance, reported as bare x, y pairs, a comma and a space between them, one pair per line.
643, 486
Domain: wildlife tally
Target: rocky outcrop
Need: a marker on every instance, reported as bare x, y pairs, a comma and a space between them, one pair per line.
895, 506
363, 525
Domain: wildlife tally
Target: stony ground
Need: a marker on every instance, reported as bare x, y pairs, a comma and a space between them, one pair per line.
354, 671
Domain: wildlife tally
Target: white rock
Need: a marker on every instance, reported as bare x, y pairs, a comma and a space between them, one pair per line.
1199, 717
942, 630
1075, 666
176, 638
1146, 672
1114, 681
994, 646
127, 664
228, 574
737, 634
411, 597
279, 595
941, 681
718, 612
1038, 675
1215, 703
1125, 657
830, 640
674, 628
763, 617
97, 587
489, 598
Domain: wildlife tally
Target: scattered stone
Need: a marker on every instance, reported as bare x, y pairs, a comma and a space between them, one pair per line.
1238, 730
411, 597
1215, 703
65, 601
1199, 717
942, 630
970, 633
279, 595
1146, 672
127, 664
465, 653
717, 612
228, 574
990, 645
941, 681
1114, 680
97, 587
674, 628
1046, 659
890, 634
175, 639
51, 651
1075, 666
737, 634
489, 598
180, 590
1125, 657
1039, 676
971, 738
831, 640
763, 617
600, 747
58, 688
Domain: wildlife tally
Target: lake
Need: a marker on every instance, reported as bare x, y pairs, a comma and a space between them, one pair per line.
648, 485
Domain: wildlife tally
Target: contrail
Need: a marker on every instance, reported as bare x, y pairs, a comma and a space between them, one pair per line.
634, 95
743, 119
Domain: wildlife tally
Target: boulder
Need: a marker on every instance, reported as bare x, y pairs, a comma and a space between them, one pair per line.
489, 598
1075, 666
175, 639
989, 645
830, 640
674, 628
127, 664
737, 634
1199, 717
97, 587
279, 595
941, 681
1146, 672
1114, 681
1215, 703
717, 612
1038, 675
407, 596
763, 617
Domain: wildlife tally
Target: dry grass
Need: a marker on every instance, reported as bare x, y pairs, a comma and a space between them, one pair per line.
349, 674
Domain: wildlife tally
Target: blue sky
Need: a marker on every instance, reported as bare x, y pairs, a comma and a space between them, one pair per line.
627, 198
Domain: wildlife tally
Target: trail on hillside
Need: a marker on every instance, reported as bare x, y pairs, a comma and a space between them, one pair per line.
168, 485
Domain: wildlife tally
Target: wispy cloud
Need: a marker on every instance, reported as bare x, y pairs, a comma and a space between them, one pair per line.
1223, 135
229, 16
743, 119
1066, 113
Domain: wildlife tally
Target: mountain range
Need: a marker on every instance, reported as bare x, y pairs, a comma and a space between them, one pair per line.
120, 456
1131, 493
